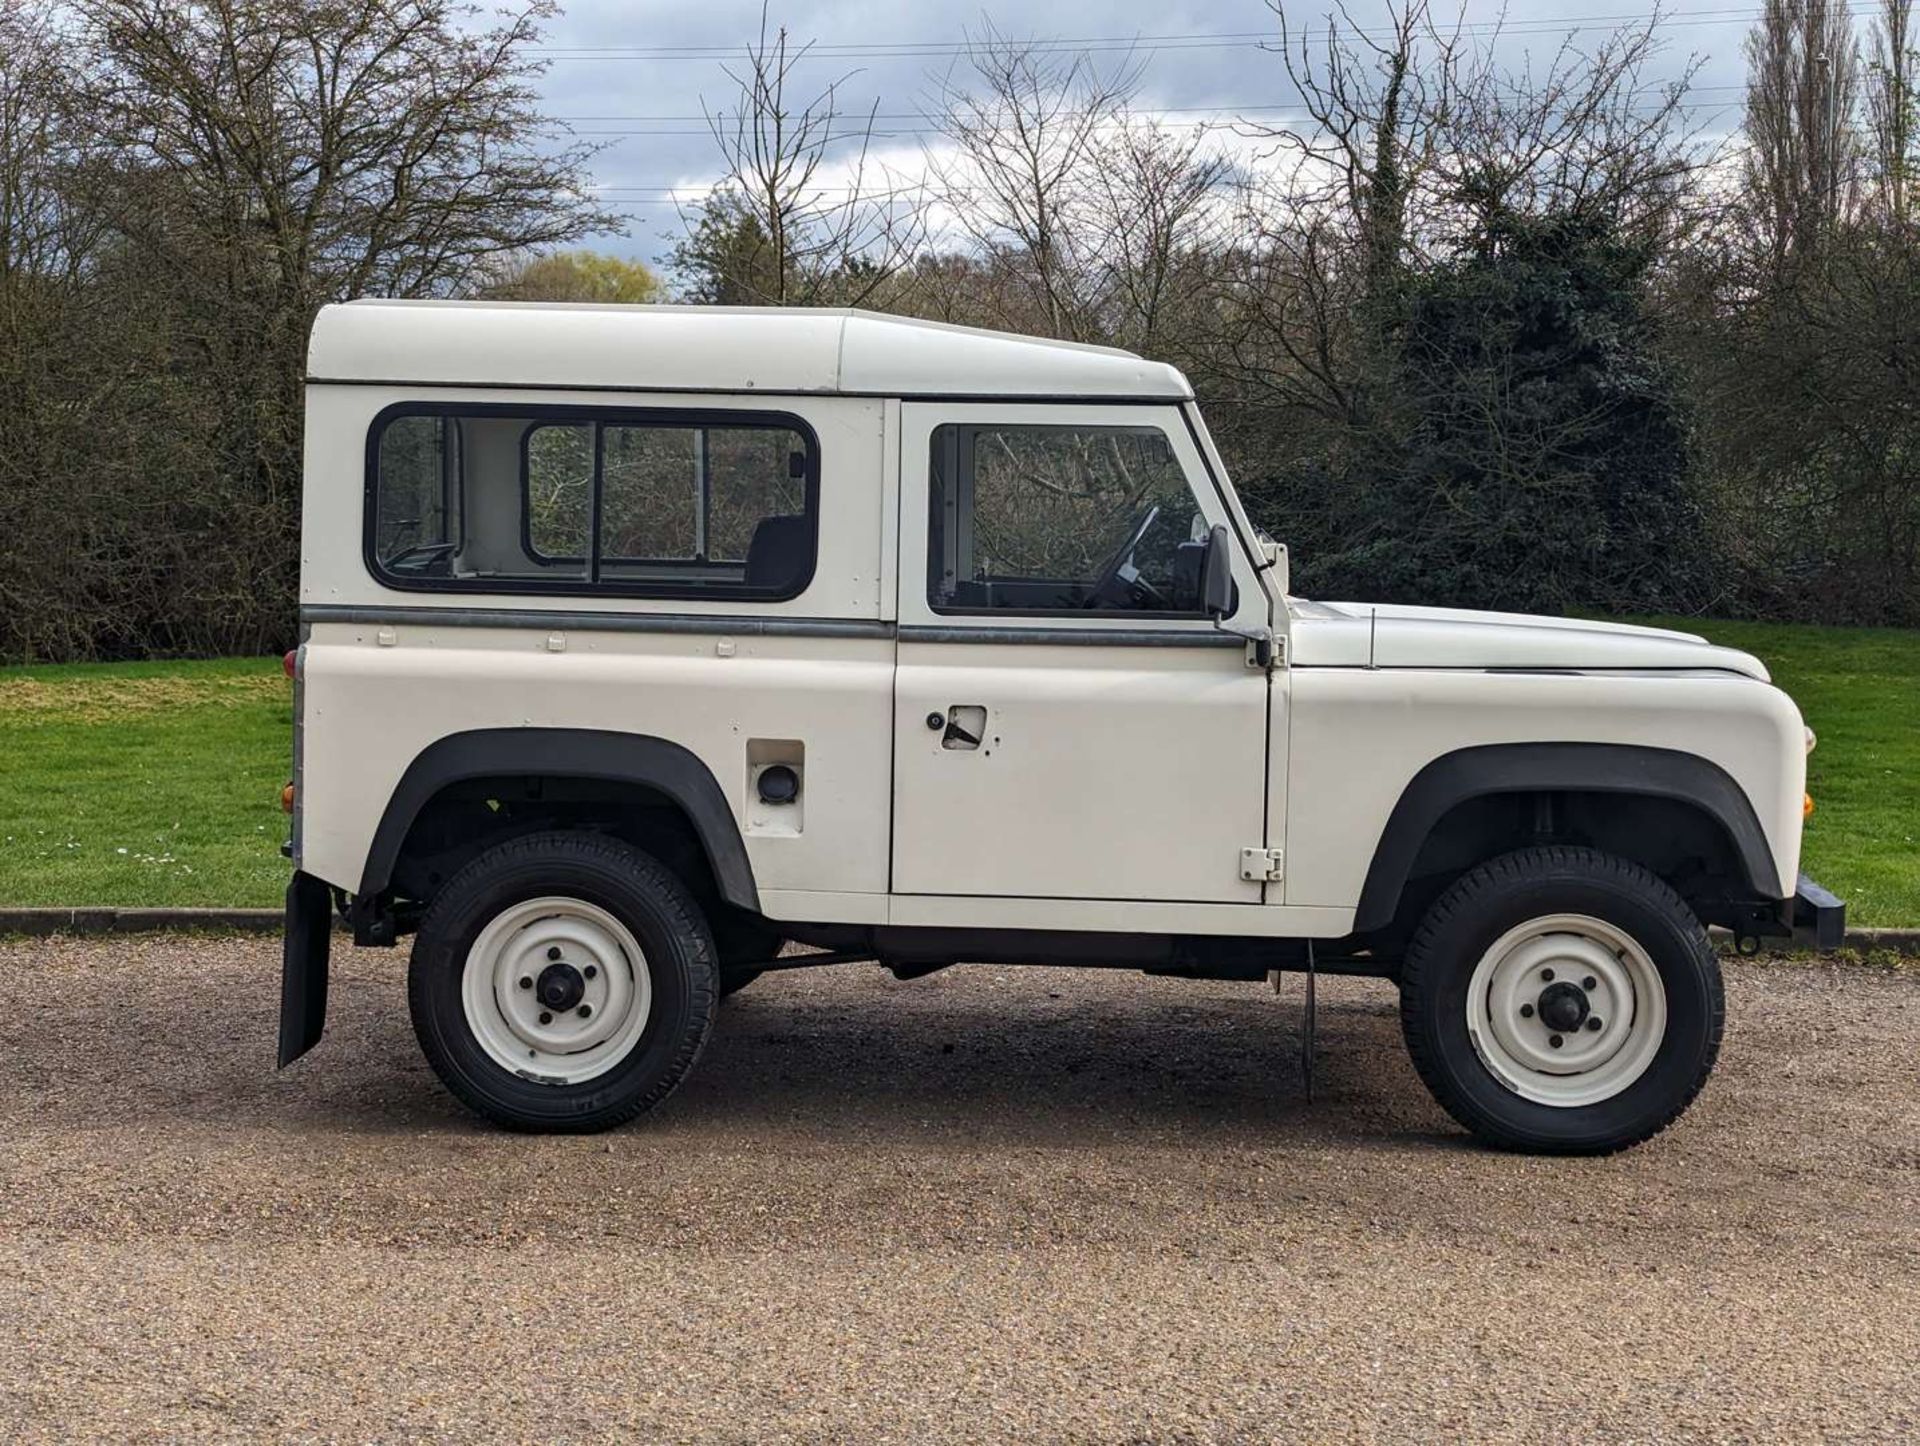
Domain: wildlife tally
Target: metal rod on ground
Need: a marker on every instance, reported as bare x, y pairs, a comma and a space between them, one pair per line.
1307, 1027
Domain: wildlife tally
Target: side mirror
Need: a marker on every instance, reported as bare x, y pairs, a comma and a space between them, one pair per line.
1216, 574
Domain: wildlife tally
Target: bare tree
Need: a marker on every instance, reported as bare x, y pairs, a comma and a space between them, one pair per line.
1419, 137
1891, 114
1803, 83
1158, 220
1588, 133
1331, 222
1417, 143
1026, 129
803, 216
370, 146
1376, 107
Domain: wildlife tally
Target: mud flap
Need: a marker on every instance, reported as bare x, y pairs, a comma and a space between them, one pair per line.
303, 971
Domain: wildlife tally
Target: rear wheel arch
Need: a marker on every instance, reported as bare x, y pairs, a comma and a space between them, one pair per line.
628, 770
1445, 806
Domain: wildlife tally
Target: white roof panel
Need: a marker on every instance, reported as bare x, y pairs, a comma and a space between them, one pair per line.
712, 348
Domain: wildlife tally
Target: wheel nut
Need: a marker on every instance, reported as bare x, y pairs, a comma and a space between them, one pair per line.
545, 1018
589, 971
584, 1011
1593, 1023
1589, 983
1526, 1011
1554, 1040
553, 952
525, 983
1547, 974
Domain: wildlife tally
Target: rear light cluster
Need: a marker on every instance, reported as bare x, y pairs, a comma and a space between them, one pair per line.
288, 663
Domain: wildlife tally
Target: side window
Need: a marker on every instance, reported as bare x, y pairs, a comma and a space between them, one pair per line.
654, 493
559, 490
417, 512
630, 503
1061, 518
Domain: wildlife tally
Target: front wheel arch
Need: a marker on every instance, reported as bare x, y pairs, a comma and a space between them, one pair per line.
1449, 786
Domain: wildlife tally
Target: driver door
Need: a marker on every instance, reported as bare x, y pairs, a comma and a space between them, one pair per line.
1068, 723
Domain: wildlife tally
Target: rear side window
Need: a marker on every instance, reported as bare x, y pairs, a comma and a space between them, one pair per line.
625, 502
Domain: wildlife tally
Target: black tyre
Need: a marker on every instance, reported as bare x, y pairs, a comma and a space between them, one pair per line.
1562, 1000
562, 982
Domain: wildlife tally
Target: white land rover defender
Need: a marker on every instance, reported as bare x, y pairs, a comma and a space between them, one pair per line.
641, 643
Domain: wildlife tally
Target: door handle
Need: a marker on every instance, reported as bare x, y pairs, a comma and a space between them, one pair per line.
966, 725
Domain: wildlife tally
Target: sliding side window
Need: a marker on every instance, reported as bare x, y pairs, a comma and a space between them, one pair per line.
622, 502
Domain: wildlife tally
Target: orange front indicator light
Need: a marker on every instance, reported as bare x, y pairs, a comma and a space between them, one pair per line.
286, 799
1806, 805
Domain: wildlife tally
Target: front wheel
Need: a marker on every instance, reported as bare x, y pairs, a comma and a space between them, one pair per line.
562, 982
1562, 1000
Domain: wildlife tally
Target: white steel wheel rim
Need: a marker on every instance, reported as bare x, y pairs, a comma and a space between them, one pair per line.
511, 980
1518, 1005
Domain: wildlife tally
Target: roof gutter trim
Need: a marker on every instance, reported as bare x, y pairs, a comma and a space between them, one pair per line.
1091, 399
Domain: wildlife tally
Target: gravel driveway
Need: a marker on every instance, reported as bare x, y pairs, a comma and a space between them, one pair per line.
990, 1203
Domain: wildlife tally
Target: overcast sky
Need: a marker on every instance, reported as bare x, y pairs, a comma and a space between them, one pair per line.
634, 74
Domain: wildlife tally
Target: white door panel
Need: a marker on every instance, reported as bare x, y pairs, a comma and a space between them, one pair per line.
1103, 773
1119, 757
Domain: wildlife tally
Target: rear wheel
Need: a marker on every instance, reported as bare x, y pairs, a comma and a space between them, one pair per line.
1562, 1000
562, 982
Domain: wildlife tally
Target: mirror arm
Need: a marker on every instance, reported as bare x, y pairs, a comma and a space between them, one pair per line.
1260, 640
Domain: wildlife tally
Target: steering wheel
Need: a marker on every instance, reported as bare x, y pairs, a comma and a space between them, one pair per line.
423, 552
1113, 572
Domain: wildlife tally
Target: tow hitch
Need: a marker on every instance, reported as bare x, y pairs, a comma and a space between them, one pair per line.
1819, 917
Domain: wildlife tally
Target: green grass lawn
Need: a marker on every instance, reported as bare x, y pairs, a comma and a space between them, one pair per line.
159, 783
144, 783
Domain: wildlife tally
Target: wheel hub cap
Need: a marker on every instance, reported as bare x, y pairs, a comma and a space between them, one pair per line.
1566, 1010
1563, 1007
556, 990
561, 986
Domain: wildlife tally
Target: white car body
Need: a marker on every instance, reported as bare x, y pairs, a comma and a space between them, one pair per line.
1195, 778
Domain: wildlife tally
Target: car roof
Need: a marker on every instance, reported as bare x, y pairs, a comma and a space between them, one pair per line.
713, 349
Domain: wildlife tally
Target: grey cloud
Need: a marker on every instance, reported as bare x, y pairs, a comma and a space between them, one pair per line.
585, 89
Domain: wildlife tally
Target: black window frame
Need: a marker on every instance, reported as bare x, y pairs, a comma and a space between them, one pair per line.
1082, 614
549, 414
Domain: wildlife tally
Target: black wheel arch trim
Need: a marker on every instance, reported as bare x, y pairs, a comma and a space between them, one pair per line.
640, 758
1494, 768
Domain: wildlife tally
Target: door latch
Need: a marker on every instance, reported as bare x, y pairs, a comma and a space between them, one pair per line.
966, 726
1260, 866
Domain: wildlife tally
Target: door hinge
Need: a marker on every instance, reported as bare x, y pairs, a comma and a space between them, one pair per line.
1260, 866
